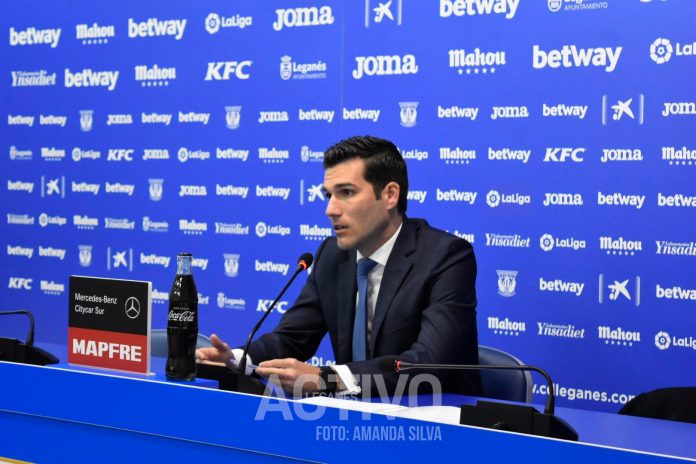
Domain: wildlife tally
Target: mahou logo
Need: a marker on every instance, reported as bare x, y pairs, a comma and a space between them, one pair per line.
384, 65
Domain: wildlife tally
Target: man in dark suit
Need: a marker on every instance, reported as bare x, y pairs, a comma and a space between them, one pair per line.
384, 285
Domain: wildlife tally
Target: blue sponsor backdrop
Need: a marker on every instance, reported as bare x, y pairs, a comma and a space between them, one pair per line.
556, 136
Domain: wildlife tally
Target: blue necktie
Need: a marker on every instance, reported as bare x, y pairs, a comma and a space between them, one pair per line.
365, 265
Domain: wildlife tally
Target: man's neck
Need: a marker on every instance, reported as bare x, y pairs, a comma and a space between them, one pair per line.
389, 231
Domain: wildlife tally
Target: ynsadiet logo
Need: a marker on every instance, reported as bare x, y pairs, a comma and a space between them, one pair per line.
675, 248
33, 78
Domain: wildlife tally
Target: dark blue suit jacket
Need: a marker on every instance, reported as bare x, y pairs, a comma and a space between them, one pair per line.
425, 311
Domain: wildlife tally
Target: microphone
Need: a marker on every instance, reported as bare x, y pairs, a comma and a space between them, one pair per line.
523, 419
303, 264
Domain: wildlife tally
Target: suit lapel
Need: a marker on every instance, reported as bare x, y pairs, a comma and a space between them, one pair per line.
398, 266
347, 287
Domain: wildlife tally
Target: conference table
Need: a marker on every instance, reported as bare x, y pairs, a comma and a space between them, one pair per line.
66, 413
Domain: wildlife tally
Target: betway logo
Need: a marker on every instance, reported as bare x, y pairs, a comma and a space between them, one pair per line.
676, 201
90, 78
50, 252
231, 191
33, 36
457, 112
507, 154
191, 117
84, 187
52, 120
202, 264
478, 7
156, 118
119, 188
384, 65
675, 293
225, 70
675, 249
19, 186
456, 196
154, 260
561, 155
619, 199
561, 110
20, 251
19, 120
417, 195
570, 56
359, 113
315, 115
303, 17
272, 192
154, 27
232, 154
561, 286
621, 154
270, 266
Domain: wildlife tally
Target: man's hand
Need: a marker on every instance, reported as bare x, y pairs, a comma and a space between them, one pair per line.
292, 375
220, 351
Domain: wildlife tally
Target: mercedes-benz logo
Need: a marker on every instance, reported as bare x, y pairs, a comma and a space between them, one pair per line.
132, 307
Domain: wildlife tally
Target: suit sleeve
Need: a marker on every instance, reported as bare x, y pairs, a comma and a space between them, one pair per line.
447, 323
300, 330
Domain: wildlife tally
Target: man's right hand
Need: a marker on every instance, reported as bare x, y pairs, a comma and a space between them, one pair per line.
220, 352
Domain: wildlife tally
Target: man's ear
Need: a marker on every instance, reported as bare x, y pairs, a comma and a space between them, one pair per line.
391, 193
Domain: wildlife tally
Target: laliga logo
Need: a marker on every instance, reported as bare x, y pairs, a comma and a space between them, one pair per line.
132, 307
661, 50
212, 23
86, 120
261, 229
546, 242
662, 340
493, 198
233, 116
409, 113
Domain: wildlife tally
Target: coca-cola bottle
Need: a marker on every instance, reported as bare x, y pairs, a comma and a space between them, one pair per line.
182, 326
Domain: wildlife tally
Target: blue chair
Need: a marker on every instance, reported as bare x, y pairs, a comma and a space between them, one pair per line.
158, 342
504, 384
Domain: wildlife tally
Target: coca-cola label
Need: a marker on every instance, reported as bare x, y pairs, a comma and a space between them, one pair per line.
181, 315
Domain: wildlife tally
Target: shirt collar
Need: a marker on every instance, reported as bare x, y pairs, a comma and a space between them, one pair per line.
382, 254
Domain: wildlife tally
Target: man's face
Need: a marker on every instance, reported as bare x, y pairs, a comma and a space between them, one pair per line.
360, 221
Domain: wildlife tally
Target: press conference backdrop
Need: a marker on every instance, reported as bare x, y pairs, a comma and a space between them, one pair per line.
556, 136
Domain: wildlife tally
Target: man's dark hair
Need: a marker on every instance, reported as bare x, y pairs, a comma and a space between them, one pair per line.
383, 163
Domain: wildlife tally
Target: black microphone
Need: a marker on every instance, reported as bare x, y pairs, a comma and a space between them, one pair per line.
499, 416
303, 264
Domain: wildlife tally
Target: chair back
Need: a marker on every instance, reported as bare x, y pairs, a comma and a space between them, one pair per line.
504, 384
